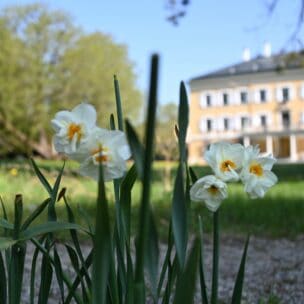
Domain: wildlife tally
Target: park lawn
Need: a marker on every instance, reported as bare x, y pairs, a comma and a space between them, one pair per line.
279, 214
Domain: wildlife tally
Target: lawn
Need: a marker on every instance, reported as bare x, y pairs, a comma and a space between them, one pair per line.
279, 214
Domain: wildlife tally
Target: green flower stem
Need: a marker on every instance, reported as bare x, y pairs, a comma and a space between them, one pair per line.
215, 265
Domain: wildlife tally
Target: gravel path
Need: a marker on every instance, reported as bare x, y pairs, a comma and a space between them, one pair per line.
274, 267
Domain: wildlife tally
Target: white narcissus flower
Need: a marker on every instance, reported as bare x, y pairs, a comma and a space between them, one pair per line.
209, 189
73, 129
110, 148
256, 173
225, 159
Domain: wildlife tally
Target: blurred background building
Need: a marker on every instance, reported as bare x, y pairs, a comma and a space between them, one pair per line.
258, 101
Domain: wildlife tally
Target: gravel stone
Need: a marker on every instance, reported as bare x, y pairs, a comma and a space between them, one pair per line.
274, 267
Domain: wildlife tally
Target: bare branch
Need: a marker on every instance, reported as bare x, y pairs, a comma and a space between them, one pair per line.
177, 10
272, 6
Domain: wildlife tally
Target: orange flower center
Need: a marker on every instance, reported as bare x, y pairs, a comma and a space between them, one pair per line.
256, 169
227, 165
74, 129
99, 154
213, 190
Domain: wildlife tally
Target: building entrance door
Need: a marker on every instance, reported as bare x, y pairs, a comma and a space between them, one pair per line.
282, 147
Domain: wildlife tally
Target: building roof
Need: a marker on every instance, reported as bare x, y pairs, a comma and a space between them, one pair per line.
275, 63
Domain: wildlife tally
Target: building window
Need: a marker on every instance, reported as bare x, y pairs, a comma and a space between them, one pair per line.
285, 119
263, 121
225, 99
205, 99
285, 94
263, 96
209, 125
244, 122
226, 124
208, 100
244, 97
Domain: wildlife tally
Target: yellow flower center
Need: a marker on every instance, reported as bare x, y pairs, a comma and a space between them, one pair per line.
74, 129
213, 190
227, 165
256, 169
99, 154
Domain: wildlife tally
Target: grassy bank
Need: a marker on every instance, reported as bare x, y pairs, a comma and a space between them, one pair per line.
280, 213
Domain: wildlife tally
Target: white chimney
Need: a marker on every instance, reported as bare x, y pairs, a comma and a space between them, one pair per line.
267, 50
246, 54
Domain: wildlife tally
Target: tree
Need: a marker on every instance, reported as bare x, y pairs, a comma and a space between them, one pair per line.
166, 141
40, 38
88, 68
166, 148
47, 64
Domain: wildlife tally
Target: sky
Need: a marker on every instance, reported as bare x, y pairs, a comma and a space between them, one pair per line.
212, 35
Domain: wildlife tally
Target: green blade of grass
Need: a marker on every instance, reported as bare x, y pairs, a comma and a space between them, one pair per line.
16, 266
45, 276
143, 227
47, 227
18, 216
72, 289
238, 287
15, 272
129, 298
173, 271
203, 286
33, 271
41, 177
215, 261
166, 260
35, 214
3, 283
58, 273
86, 217
65, 278
136, 149
183, 120
119, 234
180, 198
6, 225
118, 104
152, 255
74, 236
6, 242
112, 122
51, 207
102, 245
116, 286
125, 200
179, 217
185, 285
192, 175
3, 209
73, 257
75, 263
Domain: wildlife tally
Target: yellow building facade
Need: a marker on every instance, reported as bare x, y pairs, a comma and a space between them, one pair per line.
259, 101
